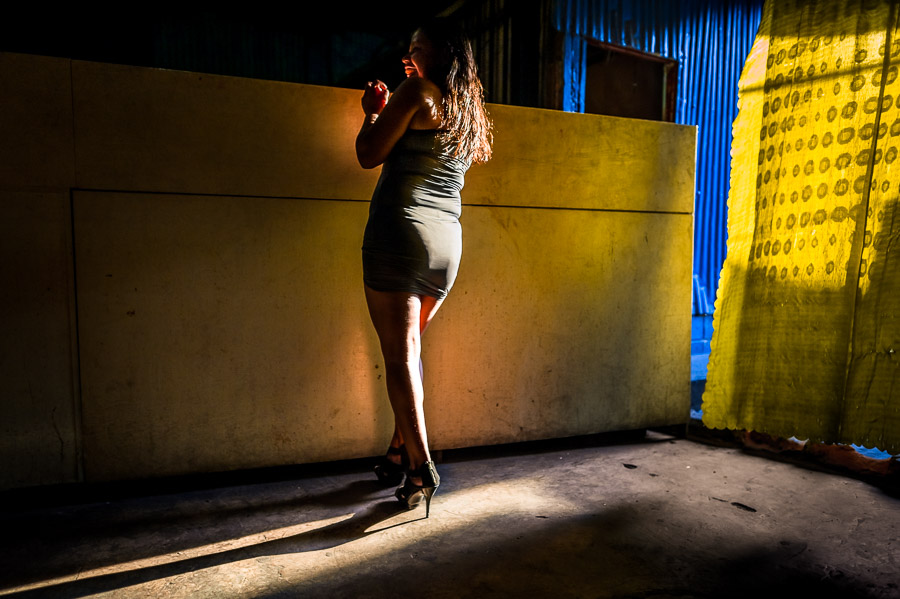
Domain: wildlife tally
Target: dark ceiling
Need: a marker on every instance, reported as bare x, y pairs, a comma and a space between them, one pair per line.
342, 42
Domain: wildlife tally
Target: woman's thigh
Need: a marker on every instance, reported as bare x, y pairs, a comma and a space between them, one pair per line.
400, 318
396, 317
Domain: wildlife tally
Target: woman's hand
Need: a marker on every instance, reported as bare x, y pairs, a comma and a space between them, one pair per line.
375, 97
381, 130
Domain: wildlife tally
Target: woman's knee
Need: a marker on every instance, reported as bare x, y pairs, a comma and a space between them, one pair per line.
403, 351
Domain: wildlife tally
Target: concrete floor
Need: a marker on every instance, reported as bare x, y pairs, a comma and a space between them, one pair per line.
662, 517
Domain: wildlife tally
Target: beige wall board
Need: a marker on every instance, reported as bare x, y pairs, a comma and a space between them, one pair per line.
152, 130
141, 129
565, 160
224, 326
223, 332
38, 432
561, 323
36, 152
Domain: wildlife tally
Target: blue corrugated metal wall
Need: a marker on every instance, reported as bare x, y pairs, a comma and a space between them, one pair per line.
710, 39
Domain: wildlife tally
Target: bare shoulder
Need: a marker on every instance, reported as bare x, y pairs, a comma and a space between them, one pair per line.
417, 87
426, 96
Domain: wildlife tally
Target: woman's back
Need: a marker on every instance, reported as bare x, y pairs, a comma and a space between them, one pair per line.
421, 172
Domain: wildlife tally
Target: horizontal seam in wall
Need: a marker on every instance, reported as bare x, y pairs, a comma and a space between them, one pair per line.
212, 195
577, 208
280, 197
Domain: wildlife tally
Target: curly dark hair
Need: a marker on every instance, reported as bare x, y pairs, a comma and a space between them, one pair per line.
465, 124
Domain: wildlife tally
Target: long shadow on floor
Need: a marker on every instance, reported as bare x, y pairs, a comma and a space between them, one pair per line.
114, 534
611, 553
49, 542
605, 547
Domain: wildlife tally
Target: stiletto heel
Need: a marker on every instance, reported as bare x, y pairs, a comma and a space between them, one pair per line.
412, 494
390, 472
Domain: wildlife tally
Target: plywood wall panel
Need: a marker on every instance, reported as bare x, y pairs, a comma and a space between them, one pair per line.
36, 137
225, 333
562, 323
565, 160
38, 411
216, 227
154, 130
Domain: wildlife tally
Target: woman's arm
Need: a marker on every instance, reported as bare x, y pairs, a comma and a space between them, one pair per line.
382, 129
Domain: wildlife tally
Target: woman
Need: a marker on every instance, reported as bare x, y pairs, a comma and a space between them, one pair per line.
426, 134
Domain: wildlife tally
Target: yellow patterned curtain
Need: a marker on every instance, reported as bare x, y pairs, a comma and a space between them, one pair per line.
806, 338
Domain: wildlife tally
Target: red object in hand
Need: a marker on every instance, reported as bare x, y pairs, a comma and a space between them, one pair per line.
375, 97
381, 94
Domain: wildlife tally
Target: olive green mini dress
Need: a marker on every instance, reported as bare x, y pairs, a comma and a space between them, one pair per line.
413, 239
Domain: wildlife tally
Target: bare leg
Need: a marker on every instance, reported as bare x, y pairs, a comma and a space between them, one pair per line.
400, 319
397, 438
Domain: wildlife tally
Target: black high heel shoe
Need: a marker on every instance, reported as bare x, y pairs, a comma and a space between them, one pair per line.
412, 494
389, 472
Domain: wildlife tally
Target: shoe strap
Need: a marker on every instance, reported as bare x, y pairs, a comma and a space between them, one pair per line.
428, 473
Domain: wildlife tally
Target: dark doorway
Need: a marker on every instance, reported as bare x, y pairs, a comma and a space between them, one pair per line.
625, 82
